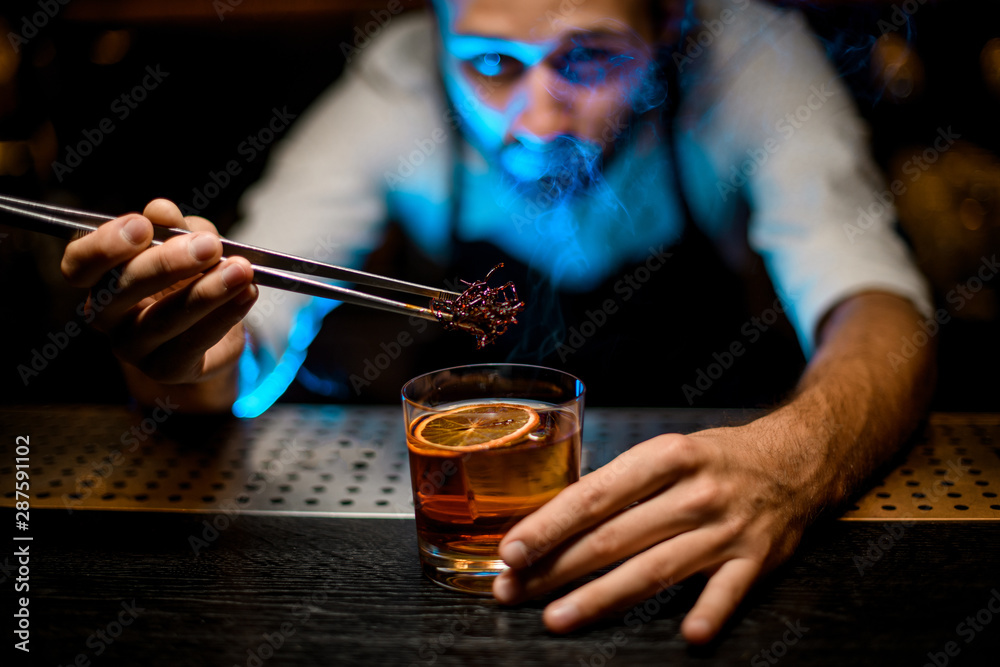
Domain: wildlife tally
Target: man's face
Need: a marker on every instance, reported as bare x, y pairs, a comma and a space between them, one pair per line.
543, 84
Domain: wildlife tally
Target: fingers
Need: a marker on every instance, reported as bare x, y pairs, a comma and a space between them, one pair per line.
171, 309
211, 345
228, 350
680, 502
165, 266
632, 476
635, 580
679, 509
722, 594
165, 213
645, 575
159, 268
88, 258
650, 573
179, 311
199, 224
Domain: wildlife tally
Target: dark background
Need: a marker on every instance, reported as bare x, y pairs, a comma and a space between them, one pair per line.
939, 70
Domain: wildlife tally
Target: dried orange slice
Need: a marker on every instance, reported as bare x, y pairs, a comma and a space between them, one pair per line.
475, 427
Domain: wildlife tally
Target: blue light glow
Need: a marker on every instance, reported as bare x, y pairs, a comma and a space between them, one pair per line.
582, 197
256, 397
471, 47
488, 64
271, 388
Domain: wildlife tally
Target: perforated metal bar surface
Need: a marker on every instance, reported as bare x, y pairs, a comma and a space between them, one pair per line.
352, 462
950, 473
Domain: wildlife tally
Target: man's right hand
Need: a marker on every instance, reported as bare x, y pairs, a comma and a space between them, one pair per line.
173, 313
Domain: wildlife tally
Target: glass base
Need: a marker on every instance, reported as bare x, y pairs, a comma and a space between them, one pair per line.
461, 571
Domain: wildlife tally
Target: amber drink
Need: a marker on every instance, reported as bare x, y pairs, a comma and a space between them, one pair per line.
488, 445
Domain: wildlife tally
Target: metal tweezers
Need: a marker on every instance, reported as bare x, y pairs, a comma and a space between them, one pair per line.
270, 268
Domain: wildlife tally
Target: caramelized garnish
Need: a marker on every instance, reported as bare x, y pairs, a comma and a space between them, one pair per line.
481, 310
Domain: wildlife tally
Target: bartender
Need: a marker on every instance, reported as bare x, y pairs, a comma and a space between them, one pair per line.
622, 160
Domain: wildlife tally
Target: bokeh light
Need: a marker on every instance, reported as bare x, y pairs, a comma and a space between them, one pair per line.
897, 70
110, 47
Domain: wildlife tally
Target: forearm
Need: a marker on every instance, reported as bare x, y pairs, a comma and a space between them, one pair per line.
728, 502
858, 400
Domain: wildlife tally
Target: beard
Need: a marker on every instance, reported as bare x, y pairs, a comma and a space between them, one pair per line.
559, 170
